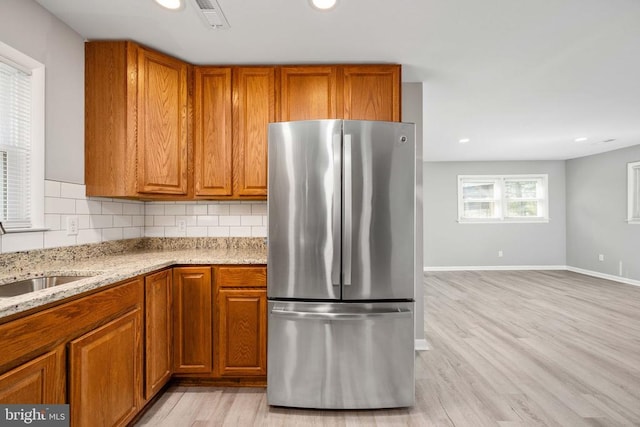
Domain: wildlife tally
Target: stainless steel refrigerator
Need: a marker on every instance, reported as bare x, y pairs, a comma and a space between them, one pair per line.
343, 255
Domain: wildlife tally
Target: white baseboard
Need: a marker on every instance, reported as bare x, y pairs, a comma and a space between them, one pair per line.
537, 267
496, 267
421, 345
604, 276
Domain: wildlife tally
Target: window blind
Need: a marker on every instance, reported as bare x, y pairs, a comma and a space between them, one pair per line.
15, 146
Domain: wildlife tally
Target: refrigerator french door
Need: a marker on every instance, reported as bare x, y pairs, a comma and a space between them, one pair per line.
341, 264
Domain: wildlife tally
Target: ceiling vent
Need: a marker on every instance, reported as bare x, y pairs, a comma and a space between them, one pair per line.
212, 14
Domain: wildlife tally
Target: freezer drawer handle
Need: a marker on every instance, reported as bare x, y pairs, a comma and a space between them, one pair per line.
341, 316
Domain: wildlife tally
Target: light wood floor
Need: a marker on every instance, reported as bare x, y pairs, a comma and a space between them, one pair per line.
508, 348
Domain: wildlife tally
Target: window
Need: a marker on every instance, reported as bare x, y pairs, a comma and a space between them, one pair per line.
633, 186
21, 140
502, 198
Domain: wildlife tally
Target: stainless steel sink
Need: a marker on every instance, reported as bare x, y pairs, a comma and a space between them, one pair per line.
29, 285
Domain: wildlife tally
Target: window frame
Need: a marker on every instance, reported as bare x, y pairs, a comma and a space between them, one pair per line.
633, 192
501, 200
19, 60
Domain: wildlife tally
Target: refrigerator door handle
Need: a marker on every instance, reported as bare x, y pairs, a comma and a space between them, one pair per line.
310, 315
348, 212
337, 193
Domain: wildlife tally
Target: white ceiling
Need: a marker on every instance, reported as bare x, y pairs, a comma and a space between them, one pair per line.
522, 79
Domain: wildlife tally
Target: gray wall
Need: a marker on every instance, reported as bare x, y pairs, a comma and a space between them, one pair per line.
29, 28
448, 243
596, 214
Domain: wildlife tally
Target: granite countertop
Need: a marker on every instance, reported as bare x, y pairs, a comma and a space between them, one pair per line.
106, 267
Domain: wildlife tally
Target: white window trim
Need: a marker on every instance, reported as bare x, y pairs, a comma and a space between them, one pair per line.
500, 179
633, 193
37, 71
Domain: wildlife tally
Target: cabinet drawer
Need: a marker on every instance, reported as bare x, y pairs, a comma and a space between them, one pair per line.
241, 277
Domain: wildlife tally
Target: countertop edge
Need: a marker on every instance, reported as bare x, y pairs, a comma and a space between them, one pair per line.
103, 277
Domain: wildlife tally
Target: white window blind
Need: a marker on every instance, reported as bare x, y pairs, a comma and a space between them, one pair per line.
15, 146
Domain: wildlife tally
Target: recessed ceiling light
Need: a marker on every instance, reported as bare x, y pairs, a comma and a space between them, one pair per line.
323, 4
464, 140
170, 4
581, 139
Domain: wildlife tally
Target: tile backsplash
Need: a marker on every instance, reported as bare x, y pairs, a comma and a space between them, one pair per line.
103, 219
205, 219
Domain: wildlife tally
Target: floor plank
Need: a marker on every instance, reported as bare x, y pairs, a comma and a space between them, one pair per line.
508, 348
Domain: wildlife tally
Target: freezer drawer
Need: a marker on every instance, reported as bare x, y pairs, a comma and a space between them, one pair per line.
341, 355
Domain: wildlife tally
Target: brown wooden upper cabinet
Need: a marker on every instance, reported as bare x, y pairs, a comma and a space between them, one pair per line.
372, 92
213, 154
233, 107
136, 142
308, 93
254, 99
354, 92
159, 128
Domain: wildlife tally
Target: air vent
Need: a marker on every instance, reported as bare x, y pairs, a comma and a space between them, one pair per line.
212, 14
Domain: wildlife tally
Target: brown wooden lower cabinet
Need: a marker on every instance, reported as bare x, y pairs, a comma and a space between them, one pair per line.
242, 332
105, 367
158, 335
109, 352
39, 381
192, 314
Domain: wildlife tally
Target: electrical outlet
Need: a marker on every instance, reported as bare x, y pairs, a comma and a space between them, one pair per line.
601, 257
72, 225
182, 225
499, 254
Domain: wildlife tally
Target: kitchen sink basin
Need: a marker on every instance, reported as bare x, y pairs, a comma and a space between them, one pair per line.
34, 284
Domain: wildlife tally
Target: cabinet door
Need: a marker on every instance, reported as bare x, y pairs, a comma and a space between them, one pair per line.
110, 86
39, 381
253, 110
158, 331
105, 369
192, 321
308, 93
213, 153
162, 124
242, 347
372, 92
